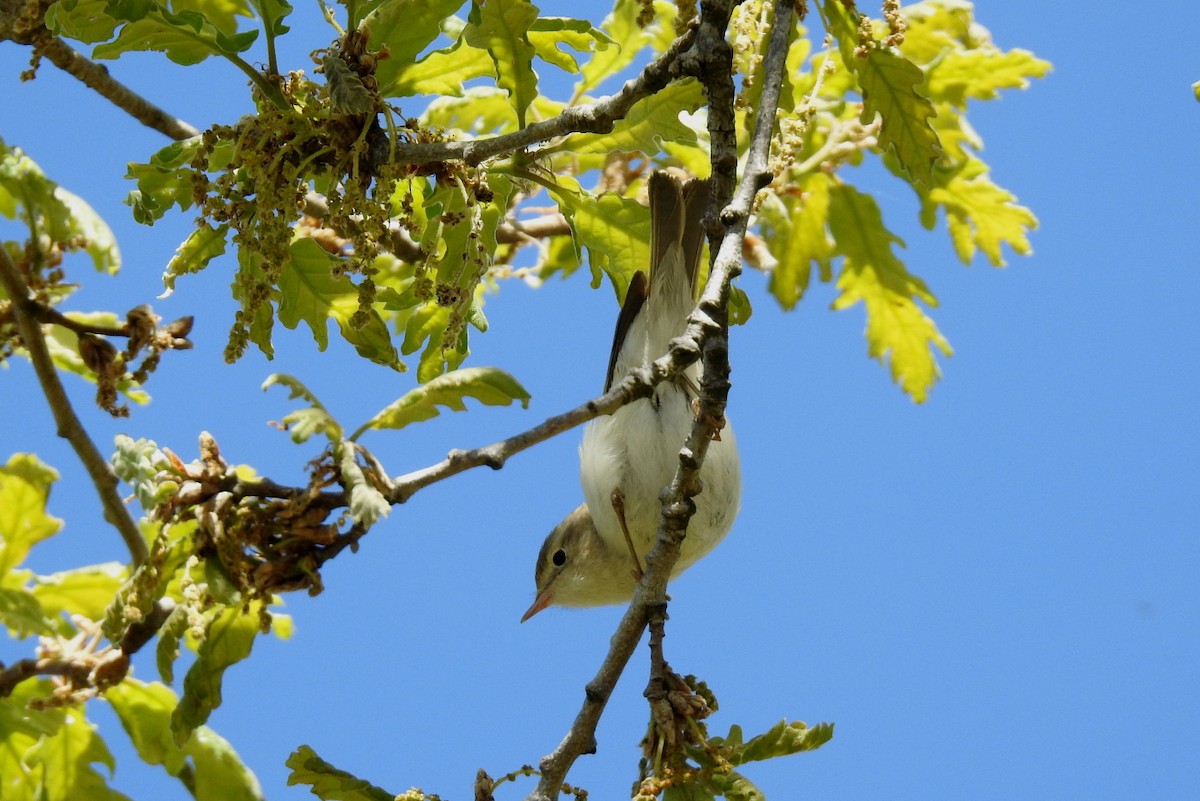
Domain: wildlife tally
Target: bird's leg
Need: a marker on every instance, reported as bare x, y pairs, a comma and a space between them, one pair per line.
717, 423
618, 504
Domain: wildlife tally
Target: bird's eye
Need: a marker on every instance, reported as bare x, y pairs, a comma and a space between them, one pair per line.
559, 558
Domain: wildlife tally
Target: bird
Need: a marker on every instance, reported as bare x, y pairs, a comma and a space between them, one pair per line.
594, 556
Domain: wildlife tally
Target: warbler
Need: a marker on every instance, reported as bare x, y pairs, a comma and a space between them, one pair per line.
595, 555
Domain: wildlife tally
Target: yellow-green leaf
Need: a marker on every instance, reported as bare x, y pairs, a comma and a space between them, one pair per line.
63, 762
441, 73
83, 591
309, 291
614, 229
144, 710
490, 386
898, 331
981, 73
405, 28
793, 226
889, 84
649, 123
24, 489
549, 34
229, 637
303, 423
501, 27
981, 214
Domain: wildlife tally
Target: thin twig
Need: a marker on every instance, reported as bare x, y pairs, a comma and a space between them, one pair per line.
69, 427
707, 329
93, 75
597, 117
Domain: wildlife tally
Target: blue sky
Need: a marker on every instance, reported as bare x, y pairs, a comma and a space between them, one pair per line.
993, 595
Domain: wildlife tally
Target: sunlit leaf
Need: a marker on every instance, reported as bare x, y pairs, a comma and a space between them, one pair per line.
980, 74
614, 229
649, 123
889, 84
64, 762
304, 423
982, 215
53, 212
404, 28
145, 709
442, 73
187, 37
24, 489
327, 782
793, 226
84, 591
309, 292
898, 331
488, 385
229, 637
501, 28
548, 35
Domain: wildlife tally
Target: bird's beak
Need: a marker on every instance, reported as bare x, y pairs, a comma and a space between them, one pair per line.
543, 599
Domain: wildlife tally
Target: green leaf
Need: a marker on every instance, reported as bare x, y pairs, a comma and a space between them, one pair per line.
310, 292
614, 229
501, 27
405, 28
897, 330
84, 591
366, 503
186, 38
488, 385
782, 739
20, 611
273, 13
81, 20
981, 73
303, 423
24, 490
793, 227
549, 34
736, 787
193, 255
442, 73
20, 729
327, 782
145, 713
229, 637
63, 763
889, 84
629, 39
163, 182
981, 214
649, 123
427, 325
53, 212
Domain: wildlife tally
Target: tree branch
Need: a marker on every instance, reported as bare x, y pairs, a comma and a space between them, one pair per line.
26, 311
597, 117
711, 58
93, 75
